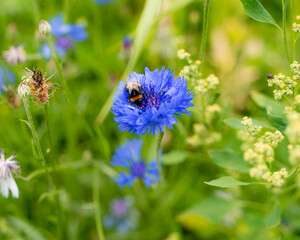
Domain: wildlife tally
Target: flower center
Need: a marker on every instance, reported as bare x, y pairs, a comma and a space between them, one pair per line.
151, 98
138, 169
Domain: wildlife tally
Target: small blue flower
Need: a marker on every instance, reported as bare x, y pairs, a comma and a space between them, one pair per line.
46, 52
103, 2
123, 217
163, 98
7, 76
66, 36
128, 156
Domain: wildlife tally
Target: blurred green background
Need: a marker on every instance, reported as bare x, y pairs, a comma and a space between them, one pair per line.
239, 51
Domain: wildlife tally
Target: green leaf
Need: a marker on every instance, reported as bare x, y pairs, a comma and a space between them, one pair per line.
274, 216
175, 6
213, 209
277, 121
174, 157
26, 228
266, 102
214, 98
26, 122
236, 123
256, 10
229, 159
227, 181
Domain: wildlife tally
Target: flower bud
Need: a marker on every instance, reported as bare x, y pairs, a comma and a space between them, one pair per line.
23, 90
44, 28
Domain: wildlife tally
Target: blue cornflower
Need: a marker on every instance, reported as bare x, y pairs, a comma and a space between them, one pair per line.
76, 32
163, 98
66, 36
7, 76
128, 156
103, 2
123, 217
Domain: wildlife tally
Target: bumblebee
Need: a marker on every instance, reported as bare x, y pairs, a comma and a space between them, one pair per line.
135, 95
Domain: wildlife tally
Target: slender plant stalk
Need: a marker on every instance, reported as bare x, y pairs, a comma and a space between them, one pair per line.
204, 33
284, 10
65, 86
48, 125
58, 64
36, 139
96, 197
293, 35
45, 165
157, 148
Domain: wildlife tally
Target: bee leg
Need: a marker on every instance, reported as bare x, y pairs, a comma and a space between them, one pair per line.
129, 102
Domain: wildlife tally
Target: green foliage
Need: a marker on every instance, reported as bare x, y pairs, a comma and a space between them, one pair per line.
207, 191
227, 181
174, 157
229, 159
274, 216
277, 121
255, 10
268, 103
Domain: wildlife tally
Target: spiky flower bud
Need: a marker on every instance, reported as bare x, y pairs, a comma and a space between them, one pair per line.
44, 28
23, 90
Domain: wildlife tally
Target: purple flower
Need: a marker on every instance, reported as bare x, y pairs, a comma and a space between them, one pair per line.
122, 215
163, 98
128, 156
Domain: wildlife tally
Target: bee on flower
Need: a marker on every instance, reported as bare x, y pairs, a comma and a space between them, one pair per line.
148, 102
7, 182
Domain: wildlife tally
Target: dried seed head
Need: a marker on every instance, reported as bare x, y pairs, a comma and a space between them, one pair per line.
35, 84
12, 97
39, 87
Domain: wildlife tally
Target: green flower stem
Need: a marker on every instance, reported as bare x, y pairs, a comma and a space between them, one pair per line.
96, 197
204, 33
36, 139
284, 8
289, 102
293, 35
203, 110
58, 64
48, 125
69, 94
157, 148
